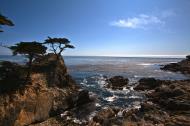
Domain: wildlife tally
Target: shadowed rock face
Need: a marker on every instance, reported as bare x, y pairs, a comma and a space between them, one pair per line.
9, 73
43, 95
183, 66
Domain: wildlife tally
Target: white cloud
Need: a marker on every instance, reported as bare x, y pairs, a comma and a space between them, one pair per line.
141, 21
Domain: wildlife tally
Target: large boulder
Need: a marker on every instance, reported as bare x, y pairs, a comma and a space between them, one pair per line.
117, 82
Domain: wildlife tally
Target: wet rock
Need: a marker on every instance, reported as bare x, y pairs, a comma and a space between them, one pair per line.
147, 84
104, 116
182, 66
168, 104
172, 67
117, 82
83, 98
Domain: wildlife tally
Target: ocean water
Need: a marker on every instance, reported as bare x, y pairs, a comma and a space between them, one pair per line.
91, 74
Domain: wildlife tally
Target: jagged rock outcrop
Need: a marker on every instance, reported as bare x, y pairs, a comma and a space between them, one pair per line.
182, 66
171, 98
55, 70
45, 95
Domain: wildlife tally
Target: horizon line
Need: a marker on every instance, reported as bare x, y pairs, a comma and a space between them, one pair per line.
148, 56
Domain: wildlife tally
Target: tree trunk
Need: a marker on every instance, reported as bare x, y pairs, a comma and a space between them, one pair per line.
29, 68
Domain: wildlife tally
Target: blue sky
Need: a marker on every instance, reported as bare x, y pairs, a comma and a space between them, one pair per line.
102, 27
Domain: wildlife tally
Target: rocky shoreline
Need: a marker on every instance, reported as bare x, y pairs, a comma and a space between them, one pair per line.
167, 104
54, 99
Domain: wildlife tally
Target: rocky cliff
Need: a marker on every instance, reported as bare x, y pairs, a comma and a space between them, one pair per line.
44, 96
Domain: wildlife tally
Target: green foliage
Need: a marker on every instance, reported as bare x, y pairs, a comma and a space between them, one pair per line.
5, 21
28, 48
58, 45
11, 76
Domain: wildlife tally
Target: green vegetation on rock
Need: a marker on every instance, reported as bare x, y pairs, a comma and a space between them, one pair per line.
29, 49
58, 45
5, 21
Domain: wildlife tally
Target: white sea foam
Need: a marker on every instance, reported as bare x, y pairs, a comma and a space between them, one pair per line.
84, 81
157, 70
117, 91
131, 88
120, 114
68, 118
111, 99
97, 105
77, 121
137, 106
90, 117
101, 80
133, 96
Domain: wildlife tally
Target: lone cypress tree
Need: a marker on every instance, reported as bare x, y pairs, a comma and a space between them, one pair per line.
30, 50
5, 21
58, 45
